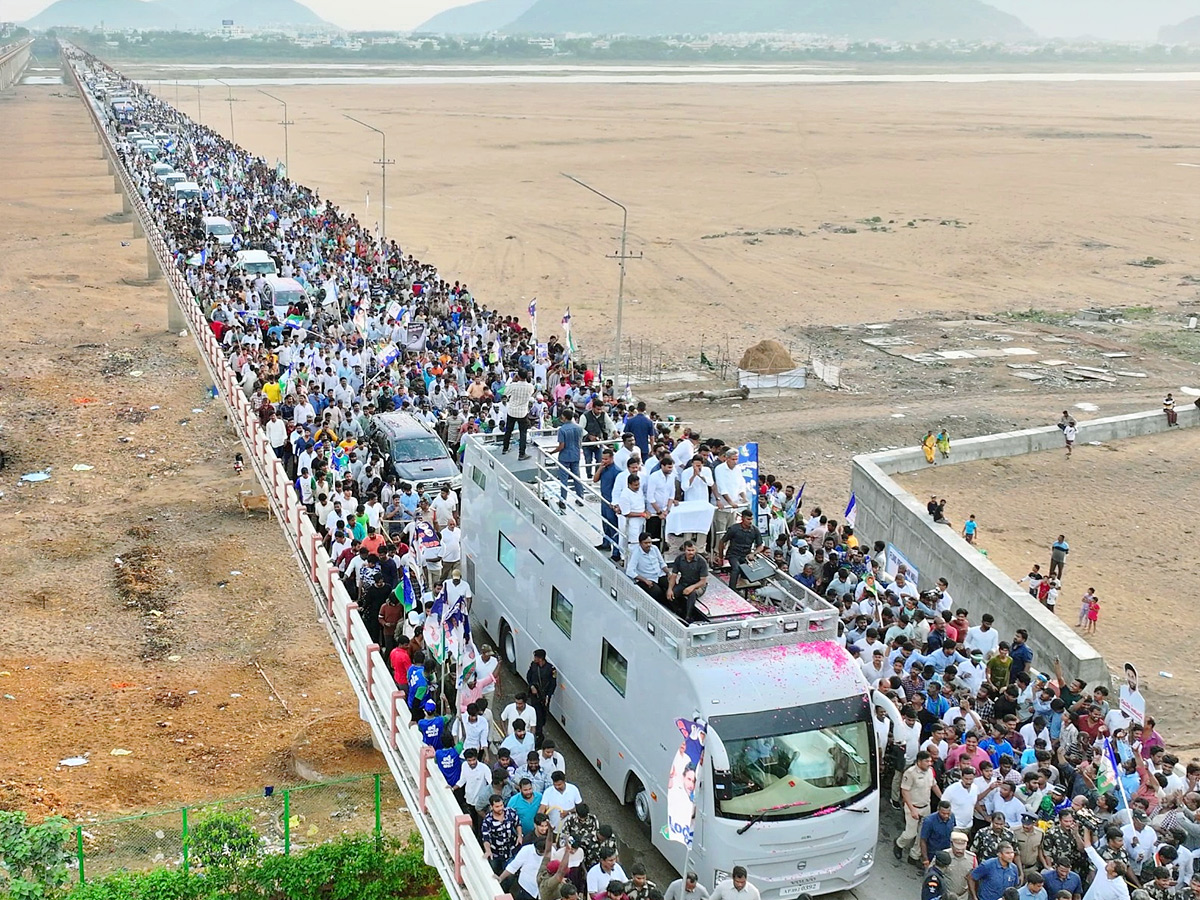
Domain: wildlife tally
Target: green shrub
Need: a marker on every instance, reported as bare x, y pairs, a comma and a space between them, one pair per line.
33, 858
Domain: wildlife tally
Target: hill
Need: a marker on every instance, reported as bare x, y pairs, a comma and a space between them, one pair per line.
168, 15
1186, 32
476, 18
907, 20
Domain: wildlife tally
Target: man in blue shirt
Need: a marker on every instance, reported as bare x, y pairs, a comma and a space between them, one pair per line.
570, 452
525, 804
431, 727
990, 878
936, 831
1062, 878
641, 426
450, 764
606, 477
1021, 655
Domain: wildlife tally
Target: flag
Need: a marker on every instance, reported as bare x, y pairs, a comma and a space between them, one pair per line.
533, 309
851, 513
748, 464
467, 662
566, 324
368, 207
405, 594
295, 320
434, 628
683, 781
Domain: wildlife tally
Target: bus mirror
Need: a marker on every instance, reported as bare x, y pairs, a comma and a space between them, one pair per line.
722, 785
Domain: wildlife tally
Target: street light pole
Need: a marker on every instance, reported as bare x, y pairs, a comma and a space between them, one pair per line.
230, 102
622, 256
285, 123
383, 162
199, 111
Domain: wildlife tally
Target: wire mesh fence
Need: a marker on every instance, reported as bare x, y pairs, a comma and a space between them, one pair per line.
286, 820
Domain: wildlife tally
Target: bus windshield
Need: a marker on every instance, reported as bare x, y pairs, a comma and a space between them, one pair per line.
794, 762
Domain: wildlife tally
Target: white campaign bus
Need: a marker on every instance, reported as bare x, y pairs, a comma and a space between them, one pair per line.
789, 787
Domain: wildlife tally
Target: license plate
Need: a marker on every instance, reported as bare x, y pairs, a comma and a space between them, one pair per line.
795, 890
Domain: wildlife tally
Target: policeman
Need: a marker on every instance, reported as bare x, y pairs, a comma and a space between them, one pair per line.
932, 884
542, 679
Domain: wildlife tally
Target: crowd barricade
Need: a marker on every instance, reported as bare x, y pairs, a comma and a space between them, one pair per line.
450, 843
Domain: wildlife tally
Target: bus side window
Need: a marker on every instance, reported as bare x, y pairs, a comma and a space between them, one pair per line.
613, 666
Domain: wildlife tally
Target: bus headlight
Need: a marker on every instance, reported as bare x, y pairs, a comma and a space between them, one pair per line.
721, 875
868, 860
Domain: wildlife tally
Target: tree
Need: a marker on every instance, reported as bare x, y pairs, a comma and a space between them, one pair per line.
224, 843
33, 858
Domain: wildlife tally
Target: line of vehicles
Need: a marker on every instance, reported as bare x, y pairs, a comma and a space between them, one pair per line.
789, 786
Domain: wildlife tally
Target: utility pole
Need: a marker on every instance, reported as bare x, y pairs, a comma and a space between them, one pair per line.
622, 257
199, 111
383, 162
230, 101
285, 123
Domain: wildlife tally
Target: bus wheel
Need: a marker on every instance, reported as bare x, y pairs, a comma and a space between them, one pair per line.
508, 645
640, 803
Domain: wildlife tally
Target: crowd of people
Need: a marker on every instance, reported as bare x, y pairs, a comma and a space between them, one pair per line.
1005, 776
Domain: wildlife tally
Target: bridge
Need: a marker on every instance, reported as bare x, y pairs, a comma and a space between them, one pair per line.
13, 60
450, 843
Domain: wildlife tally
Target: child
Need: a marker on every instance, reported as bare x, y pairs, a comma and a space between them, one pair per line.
1052, 594
1093, 614
1085, 603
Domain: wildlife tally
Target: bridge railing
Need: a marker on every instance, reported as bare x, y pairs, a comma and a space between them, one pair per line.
450, 843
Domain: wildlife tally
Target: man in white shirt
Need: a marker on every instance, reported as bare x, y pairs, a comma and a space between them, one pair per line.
660, 497
517, 396
730, 492
696, 481
984, 636
559, 799
451, 549
457, 589
444, 506
525, 866
630, 506
474, 774
608, 869
736, 887
647, 568
628, 450
963, 795
519, 709
972, 673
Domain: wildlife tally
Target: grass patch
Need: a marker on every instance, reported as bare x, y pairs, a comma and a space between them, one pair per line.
1040, 316
1148, 263
1136, 313
1177, 342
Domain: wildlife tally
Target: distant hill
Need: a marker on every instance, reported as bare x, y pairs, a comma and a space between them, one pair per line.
476, 18
186, 15
1186, 32
907, 20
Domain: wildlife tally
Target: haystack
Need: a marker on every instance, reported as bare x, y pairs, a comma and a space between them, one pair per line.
767, 358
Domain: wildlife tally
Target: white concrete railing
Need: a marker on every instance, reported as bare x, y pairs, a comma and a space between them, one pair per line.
450, 843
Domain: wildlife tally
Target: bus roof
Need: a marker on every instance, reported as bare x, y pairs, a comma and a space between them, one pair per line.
775, 677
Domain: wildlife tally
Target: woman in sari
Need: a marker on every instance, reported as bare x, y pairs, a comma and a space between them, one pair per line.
943, 443
927, 446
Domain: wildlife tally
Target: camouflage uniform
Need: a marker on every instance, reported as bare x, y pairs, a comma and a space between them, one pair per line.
633, 892
583, 829
987, 842
1059, 844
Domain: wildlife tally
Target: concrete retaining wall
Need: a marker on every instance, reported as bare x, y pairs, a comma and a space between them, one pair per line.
889, 513
13, 60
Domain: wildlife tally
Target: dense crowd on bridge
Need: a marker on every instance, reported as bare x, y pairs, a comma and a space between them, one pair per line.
1005, 776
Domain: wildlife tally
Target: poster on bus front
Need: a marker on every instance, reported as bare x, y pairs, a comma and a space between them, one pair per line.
682, 782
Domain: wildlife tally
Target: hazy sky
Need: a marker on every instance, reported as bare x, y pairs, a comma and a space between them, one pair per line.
1112, 19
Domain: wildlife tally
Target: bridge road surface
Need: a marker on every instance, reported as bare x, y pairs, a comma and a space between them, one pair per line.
889, 878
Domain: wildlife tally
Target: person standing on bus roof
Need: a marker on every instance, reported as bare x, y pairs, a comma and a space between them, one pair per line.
739, 544
606, 477
517, 395
542, 679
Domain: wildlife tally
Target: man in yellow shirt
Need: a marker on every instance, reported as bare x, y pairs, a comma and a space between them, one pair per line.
272, 392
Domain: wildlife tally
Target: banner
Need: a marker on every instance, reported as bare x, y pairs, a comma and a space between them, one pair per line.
683, 780
895, 559
1133, 702
414, 338
748, 464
